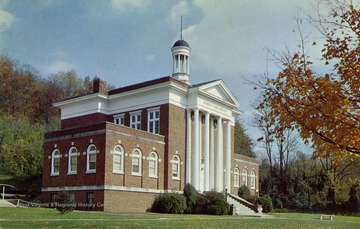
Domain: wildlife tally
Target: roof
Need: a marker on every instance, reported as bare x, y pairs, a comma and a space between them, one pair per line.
146, 84
181, 42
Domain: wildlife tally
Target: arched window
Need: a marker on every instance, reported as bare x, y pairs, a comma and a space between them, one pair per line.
175, 167
55, 162
118, 160
252, 180
91, 159
153, 165
244, 178
72, 164
236, 177
136, 162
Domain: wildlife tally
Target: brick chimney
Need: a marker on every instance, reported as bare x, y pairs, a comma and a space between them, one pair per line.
99, 86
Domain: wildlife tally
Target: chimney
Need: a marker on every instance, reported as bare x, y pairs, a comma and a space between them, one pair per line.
99, 86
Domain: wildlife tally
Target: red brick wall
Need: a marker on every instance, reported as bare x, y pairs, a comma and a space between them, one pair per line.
85, 120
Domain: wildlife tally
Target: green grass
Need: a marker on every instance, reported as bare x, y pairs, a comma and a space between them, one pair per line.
50, 218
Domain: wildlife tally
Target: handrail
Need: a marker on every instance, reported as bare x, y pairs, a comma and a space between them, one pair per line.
252, 206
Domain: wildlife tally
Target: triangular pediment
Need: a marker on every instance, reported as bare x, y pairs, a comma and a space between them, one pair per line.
218, 89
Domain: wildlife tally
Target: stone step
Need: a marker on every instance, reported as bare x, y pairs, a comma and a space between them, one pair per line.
4, 203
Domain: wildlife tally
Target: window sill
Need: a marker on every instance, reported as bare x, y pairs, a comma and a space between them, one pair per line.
54, 174
90, 171
118, 172
154, 177
72, 173
136, 174
176, 178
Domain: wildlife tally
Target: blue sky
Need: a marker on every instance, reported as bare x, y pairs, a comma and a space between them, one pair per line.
129, 41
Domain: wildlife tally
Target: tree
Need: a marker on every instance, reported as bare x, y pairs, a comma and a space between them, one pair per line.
242, 142
70, 84
323, 108
21, 146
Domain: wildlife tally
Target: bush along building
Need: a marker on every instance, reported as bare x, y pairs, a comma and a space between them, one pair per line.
118, 149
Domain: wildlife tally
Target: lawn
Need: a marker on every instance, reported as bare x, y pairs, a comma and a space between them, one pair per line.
50, 218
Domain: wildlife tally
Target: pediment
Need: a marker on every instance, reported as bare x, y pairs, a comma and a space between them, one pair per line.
218, 89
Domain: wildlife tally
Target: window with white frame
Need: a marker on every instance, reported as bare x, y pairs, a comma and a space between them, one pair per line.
153, 165
119, 120
175, 167
236, 177
118, 160
252, 180
244, 178
55, 162
136, 162
72, 163
91, 159
135, 120
154, 121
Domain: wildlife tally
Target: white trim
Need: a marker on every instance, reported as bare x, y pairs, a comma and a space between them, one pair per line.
106, 187
248, 162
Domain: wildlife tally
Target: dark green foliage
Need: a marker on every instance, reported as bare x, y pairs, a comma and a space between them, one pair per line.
201, 205
299, 201
21, 146
217, 204
242, 142
64, 202
191, 196
266, 203
244, 192
169, 203
354, 199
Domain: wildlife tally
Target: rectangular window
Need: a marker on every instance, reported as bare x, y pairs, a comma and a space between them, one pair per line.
152, 168
136, 165
154, 121
135, 120
119, 120
89, 198
117, 163
92, 162
56, 165
175, 171
73, 164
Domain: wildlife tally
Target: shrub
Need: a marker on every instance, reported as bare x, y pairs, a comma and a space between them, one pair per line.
201, 205
65, 202
266, 203
244, 192
169, 203
192, 197
217, 204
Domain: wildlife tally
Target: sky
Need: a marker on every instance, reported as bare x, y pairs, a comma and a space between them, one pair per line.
129, 41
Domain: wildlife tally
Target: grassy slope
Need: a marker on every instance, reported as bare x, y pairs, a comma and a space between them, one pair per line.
50, 218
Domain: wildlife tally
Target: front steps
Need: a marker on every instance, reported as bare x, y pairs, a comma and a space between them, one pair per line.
4, 203
243, 207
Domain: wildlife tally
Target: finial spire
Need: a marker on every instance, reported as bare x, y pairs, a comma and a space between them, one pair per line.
181, 37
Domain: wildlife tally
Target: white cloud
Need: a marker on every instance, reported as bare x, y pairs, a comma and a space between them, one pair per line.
182, 8
6, 18
58, 66
123, 5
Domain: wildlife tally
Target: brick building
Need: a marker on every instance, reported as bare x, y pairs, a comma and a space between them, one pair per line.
118, 149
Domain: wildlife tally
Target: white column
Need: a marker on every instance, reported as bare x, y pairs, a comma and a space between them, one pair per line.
219, 157
174, 64
188, 147
196, 151
206, 153
188, 65
212, 156
228, 156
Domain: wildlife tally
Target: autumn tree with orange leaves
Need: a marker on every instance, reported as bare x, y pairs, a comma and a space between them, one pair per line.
323, 108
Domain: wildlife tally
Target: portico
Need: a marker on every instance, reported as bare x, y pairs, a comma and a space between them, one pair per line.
210, 120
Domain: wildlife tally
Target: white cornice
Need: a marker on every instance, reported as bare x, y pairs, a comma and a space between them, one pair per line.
80, 99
